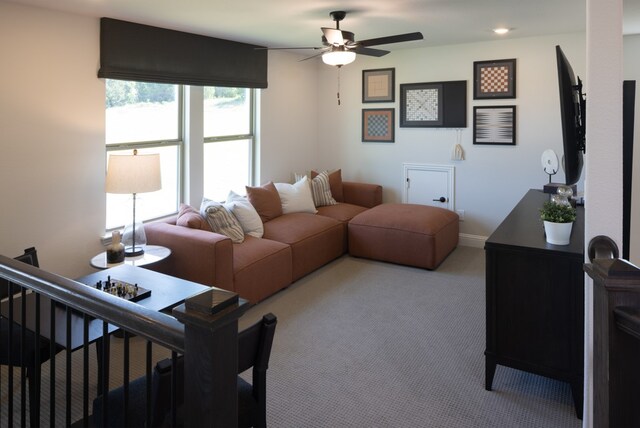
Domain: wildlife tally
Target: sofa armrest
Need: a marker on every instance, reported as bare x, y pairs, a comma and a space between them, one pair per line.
196, 255
363, 194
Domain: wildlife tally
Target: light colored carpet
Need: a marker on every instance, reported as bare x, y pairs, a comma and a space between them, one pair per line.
361, 343
364, 343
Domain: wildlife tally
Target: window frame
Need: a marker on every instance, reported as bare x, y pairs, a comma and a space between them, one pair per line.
178, 142
251, 136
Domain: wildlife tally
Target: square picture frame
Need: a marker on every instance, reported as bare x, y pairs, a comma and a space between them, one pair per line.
378, 125
421, 105
495, 79
494, 125
378, 85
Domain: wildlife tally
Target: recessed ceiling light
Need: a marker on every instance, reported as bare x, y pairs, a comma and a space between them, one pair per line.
501, 30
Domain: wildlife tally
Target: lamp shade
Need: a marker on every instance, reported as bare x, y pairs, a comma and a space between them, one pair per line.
338, 57
133, 174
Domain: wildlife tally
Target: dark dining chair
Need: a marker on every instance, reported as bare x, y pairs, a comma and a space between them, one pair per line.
254, 350
21, 354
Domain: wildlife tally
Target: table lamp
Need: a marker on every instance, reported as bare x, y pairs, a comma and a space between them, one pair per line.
133, 174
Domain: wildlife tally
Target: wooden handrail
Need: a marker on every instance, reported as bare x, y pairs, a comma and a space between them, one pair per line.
158, 327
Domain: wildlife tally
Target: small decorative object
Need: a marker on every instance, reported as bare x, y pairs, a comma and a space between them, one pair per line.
494, 79
433, 105
115, 251
122, 289
549, 162
378, 125
378, 86
494, 125
558, 222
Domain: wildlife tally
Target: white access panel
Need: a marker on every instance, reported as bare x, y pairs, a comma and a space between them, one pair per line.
429, 185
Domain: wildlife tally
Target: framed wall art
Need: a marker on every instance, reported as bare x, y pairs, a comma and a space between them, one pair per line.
378, 125
494, 125
494, 79
433, 104
378, 86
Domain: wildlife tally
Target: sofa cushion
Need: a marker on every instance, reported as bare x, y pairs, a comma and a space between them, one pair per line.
409, 234
296, 198
266, 200
191, 218
260, 268
246, 214
315, 240
221, 220
342, 211
335, 183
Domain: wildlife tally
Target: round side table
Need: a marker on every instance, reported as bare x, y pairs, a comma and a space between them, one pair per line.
152, 254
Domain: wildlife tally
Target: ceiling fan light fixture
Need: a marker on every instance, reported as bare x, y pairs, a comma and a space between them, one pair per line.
338, 57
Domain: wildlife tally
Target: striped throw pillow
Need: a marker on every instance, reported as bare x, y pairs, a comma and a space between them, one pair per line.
221, 220
321, 191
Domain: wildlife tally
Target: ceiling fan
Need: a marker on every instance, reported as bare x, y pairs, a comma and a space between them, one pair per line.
340, 47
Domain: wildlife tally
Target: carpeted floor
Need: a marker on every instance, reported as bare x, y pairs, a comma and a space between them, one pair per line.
363, 343
369, 344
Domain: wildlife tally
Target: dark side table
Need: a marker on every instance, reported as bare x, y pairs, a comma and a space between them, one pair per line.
535, 298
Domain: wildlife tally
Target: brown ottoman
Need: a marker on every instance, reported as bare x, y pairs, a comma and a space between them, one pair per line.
407, 234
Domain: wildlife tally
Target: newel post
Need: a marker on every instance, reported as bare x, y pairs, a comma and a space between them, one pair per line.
210, 323
616, 347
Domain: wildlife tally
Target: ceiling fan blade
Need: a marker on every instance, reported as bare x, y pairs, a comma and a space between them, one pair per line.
391, 39
311, 57
333, 36
368, 51
275, 49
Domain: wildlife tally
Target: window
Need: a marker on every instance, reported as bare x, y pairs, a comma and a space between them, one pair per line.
147, 117
228, 140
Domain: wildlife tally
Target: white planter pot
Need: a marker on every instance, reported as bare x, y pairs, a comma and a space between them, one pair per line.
558, 233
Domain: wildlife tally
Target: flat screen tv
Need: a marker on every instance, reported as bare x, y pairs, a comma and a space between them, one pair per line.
572, 111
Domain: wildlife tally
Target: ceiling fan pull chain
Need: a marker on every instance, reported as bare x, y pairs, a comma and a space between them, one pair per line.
338, 85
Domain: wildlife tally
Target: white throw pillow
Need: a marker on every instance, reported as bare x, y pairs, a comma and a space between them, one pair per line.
296, 198
320, 189
245, 213
221, 220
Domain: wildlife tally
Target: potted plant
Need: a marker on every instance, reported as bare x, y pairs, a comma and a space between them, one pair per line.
558, 221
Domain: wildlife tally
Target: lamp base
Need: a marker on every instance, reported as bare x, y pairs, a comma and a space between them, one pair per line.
133, 251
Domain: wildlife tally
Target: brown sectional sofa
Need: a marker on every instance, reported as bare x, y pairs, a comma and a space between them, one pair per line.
292, 246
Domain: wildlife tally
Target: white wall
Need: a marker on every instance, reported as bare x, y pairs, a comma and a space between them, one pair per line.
289, 121
51, 137
492, 179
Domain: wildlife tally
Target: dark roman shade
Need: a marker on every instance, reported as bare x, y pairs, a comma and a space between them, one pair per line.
130, 51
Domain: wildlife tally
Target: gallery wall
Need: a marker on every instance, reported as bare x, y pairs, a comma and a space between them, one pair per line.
491, 179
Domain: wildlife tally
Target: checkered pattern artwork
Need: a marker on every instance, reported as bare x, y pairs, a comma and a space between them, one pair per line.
494, 79
378, 125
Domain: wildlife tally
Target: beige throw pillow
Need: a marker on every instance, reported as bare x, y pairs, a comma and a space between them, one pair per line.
221, 220
321, 190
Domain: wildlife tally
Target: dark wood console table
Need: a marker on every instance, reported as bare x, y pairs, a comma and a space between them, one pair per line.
535, 298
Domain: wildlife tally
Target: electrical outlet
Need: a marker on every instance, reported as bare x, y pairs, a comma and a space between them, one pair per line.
460, 214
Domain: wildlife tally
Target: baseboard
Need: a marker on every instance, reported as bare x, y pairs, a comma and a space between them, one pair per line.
475, 241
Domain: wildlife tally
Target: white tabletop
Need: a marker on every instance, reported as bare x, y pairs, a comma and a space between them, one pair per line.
152, 254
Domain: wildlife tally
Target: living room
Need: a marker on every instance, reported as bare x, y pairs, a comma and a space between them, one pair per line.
53, 129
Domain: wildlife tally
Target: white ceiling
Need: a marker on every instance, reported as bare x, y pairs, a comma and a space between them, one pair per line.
289, 23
